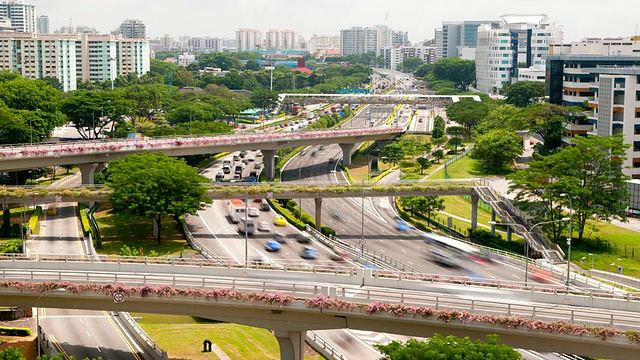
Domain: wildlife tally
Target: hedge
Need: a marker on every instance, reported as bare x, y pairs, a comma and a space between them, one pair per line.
384, 173
11, 331
84, 220
420, 225
288, 213
34, 221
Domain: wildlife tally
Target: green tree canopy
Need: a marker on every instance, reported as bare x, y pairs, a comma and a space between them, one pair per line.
392, 153
467, 113
412, 63
461, 72
154, 186
590, 172
497, 149
523, 93
439, 347
264, 99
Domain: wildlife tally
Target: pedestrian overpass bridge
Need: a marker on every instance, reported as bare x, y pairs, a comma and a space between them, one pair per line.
88, 155
293, 300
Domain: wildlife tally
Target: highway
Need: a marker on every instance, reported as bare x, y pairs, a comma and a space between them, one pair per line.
78, 333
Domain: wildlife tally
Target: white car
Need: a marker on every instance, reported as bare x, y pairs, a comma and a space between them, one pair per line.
264, 226
254, 212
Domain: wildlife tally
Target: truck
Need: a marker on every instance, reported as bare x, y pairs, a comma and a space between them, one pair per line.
295, 109
236, 210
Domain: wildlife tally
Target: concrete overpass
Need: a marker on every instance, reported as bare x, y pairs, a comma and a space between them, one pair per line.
413, 99
89, 155
290, 307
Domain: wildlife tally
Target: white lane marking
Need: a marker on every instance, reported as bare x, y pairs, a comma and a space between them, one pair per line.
98, 349
214, 235
88, 333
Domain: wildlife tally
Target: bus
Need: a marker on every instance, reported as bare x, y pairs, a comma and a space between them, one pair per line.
451, 252
236, 210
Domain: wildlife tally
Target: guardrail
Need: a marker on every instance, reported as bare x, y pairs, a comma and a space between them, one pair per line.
151, 346
172, 268
627, 319
323, 347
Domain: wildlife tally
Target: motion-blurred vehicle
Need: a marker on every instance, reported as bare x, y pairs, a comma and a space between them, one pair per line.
280, 221
254, 212
272, 246
264, 226
402, 226
264, 205
279, 237
339, 255
309, 253
304, 237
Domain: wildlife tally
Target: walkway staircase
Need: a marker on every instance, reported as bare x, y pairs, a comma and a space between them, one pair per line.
509, 214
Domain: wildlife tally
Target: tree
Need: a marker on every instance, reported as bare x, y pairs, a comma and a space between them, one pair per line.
11, 353
523, 93
264, 99
497, 149
590, 172
438, 155
428, 205
461, 72
506, 117
392, 153
91, 111
154, 186
412, 63
424, 164
450, 347
548, 121
467, 113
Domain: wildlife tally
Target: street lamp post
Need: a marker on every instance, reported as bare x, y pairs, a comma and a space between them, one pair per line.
38, 314
569, 238
591, 260
111, 77
300, 180
526, 243
582, 259
362, 223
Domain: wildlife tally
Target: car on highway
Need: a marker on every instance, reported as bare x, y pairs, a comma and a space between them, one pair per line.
279, 237
264, 226
272, 246
264, 205
402, 226
303, 238
254, 212
309, 253
280, 221
251, 158
339, 255
236, 157
257, 165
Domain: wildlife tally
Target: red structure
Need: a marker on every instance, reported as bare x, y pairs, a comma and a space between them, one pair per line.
302, 67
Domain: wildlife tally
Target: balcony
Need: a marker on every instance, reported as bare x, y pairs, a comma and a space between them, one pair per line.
575, 128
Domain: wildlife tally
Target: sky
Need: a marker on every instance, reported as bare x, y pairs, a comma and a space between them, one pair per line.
220, 18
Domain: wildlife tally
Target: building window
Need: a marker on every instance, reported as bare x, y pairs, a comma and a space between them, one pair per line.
636, 146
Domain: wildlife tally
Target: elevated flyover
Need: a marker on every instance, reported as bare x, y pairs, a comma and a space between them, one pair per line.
291, 306
88, 155
412, 99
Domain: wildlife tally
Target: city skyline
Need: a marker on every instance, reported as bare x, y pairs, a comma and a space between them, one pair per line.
199, 18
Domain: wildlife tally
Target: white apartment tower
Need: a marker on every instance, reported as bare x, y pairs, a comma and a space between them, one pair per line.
248, 39
73, 57
22, 17
518, 40
42, 24
359, 40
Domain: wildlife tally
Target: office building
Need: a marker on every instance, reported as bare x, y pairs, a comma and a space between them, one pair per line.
458, 38
21, 17
361, 40
185, 59
395, 55
132, 29
73, 57
518, 41
42, 24
248, 40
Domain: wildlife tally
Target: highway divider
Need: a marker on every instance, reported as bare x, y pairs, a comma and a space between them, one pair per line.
150, 346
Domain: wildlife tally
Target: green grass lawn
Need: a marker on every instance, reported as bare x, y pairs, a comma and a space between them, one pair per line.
182, 337
137, 232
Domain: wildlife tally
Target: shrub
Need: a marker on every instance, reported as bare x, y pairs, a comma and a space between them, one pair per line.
11, 331
84, 220
11, 247
34, 221
327, 231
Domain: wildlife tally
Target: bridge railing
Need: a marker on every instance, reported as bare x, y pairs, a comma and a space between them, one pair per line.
501, 306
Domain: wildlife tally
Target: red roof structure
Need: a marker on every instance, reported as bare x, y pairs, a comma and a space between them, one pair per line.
302, 67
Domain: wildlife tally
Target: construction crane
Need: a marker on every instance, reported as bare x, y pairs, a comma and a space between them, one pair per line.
385, 19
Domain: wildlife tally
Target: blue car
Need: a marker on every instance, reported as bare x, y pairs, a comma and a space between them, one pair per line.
309, 253
272, 246
402, 226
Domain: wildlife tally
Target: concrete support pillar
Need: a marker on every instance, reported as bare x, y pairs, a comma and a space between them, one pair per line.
509, 232
318, 213
269, 163
347, 150
87, 171
291, 344
493, 218
474, 211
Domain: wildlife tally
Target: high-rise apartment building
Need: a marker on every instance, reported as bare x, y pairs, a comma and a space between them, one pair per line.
73, 57
395, 55
280, 40
42, 24
132, 29
21, 16
248, 39
458, 38
361, 40
400, 38
518, 40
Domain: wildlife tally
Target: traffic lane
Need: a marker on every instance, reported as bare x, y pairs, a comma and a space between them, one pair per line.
60, 232
352, 346
90, 334
216, 233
